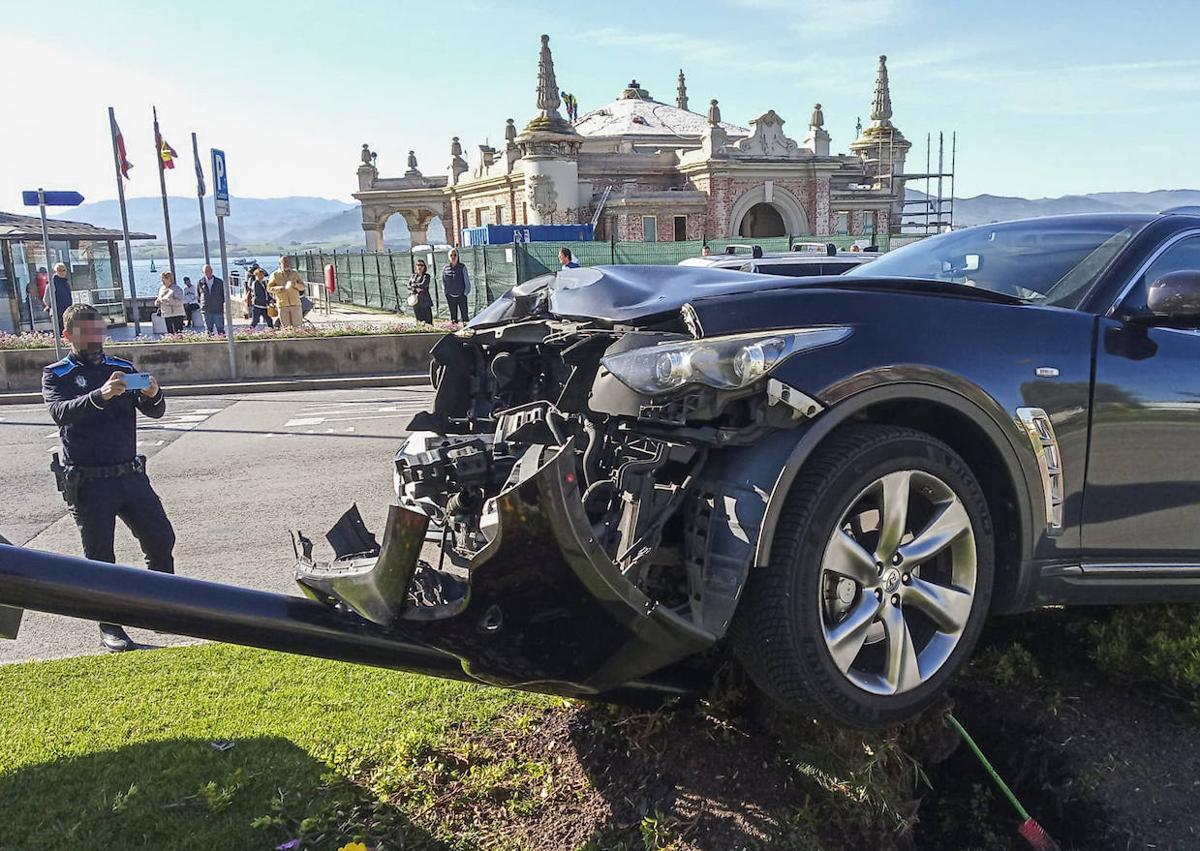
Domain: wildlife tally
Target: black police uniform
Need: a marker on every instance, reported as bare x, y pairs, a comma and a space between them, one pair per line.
105, 474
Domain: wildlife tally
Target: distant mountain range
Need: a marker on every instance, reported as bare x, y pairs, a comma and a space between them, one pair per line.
284, 222
981, 209
300, 220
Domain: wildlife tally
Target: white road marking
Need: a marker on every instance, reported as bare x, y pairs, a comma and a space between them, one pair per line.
191, 418
302, 421
207, 411
368, 417
178, 426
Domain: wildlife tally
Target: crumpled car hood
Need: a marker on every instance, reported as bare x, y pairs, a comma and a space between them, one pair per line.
618, 295
631, 295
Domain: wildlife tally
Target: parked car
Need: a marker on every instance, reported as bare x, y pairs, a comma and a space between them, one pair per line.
842, 476
804, 258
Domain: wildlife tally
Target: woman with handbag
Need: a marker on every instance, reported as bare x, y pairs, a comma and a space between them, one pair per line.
259, 299
170, 303
419, 298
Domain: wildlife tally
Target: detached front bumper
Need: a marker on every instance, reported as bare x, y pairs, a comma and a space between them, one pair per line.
543, 605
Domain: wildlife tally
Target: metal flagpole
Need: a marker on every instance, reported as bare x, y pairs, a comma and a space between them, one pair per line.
133, 299
162, 183
200, 198
50, 275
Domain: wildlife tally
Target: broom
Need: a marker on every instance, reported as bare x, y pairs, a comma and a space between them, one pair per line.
1030, 830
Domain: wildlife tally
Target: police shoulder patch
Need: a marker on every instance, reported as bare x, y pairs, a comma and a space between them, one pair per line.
121, 362
62, 367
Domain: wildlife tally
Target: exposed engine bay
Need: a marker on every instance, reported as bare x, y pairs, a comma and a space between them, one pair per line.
582, 504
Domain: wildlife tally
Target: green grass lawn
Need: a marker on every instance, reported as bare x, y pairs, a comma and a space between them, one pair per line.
116, 752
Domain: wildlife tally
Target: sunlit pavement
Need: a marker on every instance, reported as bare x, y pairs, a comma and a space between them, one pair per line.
236, 474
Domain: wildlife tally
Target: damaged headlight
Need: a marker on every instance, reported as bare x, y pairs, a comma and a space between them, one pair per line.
725, 363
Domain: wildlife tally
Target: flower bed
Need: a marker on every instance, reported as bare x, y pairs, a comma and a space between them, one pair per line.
45, 339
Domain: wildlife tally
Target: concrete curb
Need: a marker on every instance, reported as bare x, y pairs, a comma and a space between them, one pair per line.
336, 382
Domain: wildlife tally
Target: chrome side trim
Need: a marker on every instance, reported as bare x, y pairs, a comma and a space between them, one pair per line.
1040, 432
1165, 571
1137, 276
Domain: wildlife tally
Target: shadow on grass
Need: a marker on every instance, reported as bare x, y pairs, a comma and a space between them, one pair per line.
190, 794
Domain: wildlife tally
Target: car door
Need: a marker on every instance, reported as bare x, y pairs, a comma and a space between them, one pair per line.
1142, 494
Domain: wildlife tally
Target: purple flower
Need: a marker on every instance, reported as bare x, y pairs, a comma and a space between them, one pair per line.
290, 845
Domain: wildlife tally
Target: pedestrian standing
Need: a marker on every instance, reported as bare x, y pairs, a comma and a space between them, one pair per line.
102, 477
287, 286
456, 284
212, 301
419, 297
61, 288
565, 258
170, 303
260, 299
191, 301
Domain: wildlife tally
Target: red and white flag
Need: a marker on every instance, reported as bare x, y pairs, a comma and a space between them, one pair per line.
123, 163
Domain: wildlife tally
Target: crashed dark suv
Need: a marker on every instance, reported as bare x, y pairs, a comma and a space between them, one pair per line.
625, 466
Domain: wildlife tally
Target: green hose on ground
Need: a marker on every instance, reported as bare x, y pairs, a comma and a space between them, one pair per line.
1030, 830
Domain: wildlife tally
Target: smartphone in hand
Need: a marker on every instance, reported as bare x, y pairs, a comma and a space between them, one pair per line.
137, 380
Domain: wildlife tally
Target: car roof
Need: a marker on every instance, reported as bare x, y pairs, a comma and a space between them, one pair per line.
733, 261
815, 259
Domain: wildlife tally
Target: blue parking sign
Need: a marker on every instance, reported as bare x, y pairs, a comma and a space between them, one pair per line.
220, 183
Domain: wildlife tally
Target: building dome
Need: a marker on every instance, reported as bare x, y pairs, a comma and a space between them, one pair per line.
635, 114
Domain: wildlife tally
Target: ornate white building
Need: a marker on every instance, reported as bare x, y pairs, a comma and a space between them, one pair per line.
658, 171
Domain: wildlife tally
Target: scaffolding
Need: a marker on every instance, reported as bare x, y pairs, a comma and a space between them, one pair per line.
934, 211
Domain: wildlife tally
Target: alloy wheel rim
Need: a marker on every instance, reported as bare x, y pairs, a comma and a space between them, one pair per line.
898, 579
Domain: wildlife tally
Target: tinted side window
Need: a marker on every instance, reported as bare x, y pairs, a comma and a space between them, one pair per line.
791, 270
1184, 254
836, 268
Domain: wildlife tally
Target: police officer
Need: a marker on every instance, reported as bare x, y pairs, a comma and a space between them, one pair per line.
103, 477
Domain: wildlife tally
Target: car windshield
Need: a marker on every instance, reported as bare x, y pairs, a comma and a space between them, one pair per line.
1043, 261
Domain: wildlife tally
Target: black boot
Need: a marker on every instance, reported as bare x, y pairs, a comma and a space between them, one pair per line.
114, 639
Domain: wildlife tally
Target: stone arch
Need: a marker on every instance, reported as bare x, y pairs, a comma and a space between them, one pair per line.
417, 220
783, 202
762, 220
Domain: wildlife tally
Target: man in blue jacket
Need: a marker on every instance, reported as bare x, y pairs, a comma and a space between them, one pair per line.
456, 285
102, 476
212, 301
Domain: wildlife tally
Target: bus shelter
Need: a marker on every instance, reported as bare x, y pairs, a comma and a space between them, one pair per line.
93, 269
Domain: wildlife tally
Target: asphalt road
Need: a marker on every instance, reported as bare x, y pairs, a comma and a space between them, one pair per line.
236, 473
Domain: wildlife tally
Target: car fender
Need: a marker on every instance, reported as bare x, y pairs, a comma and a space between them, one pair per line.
853, 396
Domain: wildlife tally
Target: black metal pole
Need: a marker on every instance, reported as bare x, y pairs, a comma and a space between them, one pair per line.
379, 280
395, 289
96, 591
162, 185
75, 587
362, 256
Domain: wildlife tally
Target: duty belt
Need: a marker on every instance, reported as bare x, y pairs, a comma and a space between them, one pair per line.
137, 465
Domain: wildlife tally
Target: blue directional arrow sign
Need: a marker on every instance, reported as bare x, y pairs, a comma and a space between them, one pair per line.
53, 199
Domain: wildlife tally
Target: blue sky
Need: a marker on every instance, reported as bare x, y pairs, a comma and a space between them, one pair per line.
1048, 98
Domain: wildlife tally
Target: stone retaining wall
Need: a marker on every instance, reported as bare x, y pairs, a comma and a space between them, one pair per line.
193, 363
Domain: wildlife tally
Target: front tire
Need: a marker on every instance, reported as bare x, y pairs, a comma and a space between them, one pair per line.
879, 580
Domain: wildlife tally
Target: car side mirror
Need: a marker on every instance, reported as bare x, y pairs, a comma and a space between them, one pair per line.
1174, 299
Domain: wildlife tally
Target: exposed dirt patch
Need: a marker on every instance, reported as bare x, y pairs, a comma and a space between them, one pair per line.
688, 780
610, 777
1100, 764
